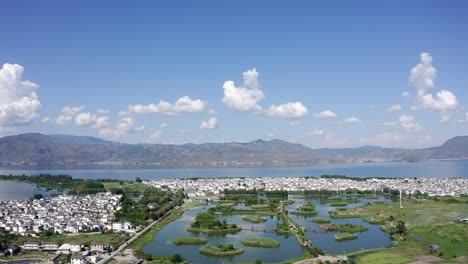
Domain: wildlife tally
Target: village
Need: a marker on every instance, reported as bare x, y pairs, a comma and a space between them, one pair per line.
202, 187
64, 214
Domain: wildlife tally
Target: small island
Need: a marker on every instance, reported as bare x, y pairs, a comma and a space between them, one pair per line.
189, 241
209, 224
306, 209
351, 228
337, 201
321, 220
345, 236
220, 250
263, 242
254, 218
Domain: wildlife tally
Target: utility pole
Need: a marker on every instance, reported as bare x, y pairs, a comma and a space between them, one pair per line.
401, 206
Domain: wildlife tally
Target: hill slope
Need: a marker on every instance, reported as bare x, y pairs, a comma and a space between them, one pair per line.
63, 151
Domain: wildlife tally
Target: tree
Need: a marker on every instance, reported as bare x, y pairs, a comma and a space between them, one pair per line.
258, 261
138, 179
177, 258
401, 228
148, 257
38, 196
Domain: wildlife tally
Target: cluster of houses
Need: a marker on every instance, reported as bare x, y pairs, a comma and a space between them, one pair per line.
61, 214
208, 186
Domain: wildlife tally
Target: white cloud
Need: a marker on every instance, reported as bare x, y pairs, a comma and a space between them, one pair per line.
406, 121
422, 78
443, 101
422, 75
212, 112
244, 98
212, 123
269, 134
164, 125
327, 114
294, 123
125, 125
397, 139
394, 108
289, 110
352, 120
405, 94
67, 114
19, 103
184, 104
89, 120
103, 111
317, 132
156, 135
45, 120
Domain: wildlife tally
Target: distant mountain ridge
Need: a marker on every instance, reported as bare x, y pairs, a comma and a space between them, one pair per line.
38, 151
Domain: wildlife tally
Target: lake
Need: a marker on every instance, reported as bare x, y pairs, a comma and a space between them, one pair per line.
431, 169
289, 247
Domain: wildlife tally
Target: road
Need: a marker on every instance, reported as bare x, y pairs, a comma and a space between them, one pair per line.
128, 242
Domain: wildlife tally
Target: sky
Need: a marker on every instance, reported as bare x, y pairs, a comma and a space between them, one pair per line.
320, 73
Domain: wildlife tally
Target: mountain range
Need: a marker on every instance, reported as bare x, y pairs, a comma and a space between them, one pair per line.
38, 151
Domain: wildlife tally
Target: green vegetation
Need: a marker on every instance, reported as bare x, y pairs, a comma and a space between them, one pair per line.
221, 251
351, 228
189, 241
260, 206
306, 209
320, 220
208, 223
254, 218
338, 201
420, 223
147, 238
264, 242
345, 236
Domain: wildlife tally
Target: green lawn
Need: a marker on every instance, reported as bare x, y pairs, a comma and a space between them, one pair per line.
384, 257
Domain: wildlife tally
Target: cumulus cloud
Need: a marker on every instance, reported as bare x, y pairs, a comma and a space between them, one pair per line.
90, 120
212, 123
125, 125
68, 113
407, 122
405, 94
184, 104
351, 120
394, 108
246, 97
422, 78
164, 125
45, 120
327, 114
289, 110
269, 134
19, 103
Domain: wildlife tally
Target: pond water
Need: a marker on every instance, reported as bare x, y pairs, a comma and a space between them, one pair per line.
289, 247
373, 238
20, 190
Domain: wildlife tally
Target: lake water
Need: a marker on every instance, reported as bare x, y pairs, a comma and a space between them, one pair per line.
432, 169
289, 247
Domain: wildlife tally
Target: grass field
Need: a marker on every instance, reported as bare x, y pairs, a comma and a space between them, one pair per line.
263, 242
320, 220
147, 238
254, 218
428, 222
345, 236
189, 241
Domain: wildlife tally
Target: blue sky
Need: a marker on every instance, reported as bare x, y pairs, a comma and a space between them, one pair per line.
323, 74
